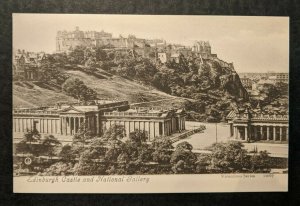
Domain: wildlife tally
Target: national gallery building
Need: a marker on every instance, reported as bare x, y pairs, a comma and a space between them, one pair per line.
63, 121
248, 125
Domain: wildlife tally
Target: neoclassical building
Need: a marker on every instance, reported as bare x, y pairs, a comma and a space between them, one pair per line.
154, 121
248, 125
64, 121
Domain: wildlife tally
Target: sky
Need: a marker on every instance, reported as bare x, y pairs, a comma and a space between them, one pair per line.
253, 44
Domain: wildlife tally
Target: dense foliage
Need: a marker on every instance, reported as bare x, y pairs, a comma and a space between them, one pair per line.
115, 154
211, 87
77, 89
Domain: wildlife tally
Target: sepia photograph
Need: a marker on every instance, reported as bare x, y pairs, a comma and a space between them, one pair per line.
150, 103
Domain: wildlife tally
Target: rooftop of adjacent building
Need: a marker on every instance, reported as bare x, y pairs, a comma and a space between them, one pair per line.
257, 113
146, 111
60, 107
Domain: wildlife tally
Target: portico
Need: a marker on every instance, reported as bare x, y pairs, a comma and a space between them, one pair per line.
258, 127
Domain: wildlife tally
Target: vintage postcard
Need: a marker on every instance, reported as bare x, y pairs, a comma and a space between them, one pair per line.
150, 103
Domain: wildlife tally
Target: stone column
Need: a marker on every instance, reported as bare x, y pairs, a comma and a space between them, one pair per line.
246, 133
261, 133
60, 122
156, 128
66, 125
274, 133
45, 125
162, 128
153, 129
74, 125
50, 126
62, 125
280, 134
235, 132
69, 126
268, 133
287, 133
167, 128
97, 124
79, 122
25, 124
41, 126
181, 123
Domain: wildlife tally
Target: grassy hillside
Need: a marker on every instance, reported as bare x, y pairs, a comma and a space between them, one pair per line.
116, 87
32, 94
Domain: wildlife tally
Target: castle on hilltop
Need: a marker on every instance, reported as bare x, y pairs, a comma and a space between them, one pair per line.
67, 41
26, 64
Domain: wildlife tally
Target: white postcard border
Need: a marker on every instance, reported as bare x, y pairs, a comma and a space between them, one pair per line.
152, 183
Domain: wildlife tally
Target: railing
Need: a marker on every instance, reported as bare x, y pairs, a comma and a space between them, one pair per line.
123, 103
133, 114
34, 112
263, 116
188, 133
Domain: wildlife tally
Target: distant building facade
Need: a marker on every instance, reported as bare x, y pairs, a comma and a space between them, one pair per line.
202, 47
26, 64
68, 40
282, 77
247, 125
246, 82
64, 121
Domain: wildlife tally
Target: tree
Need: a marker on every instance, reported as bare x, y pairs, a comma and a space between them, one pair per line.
32, 136
138, 137
77, 55
162, 147
101, 54
184, 146
30, 143
183, 160
59, 168
68, 153
260, 162
83, 134
229, 157
130, 155
91, 162
50, 144
114, 134
77, 89
203, 163
283, 88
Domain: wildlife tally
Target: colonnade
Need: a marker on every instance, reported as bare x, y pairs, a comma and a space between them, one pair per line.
151, 127
31, 75
42, 125
70, 125
261, 132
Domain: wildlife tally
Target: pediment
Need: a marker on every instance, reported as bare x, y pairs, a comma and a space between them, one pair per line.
72, 110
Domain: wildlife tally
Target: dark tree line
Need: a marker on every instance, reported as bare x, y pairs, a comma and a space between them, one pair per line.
113, 154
